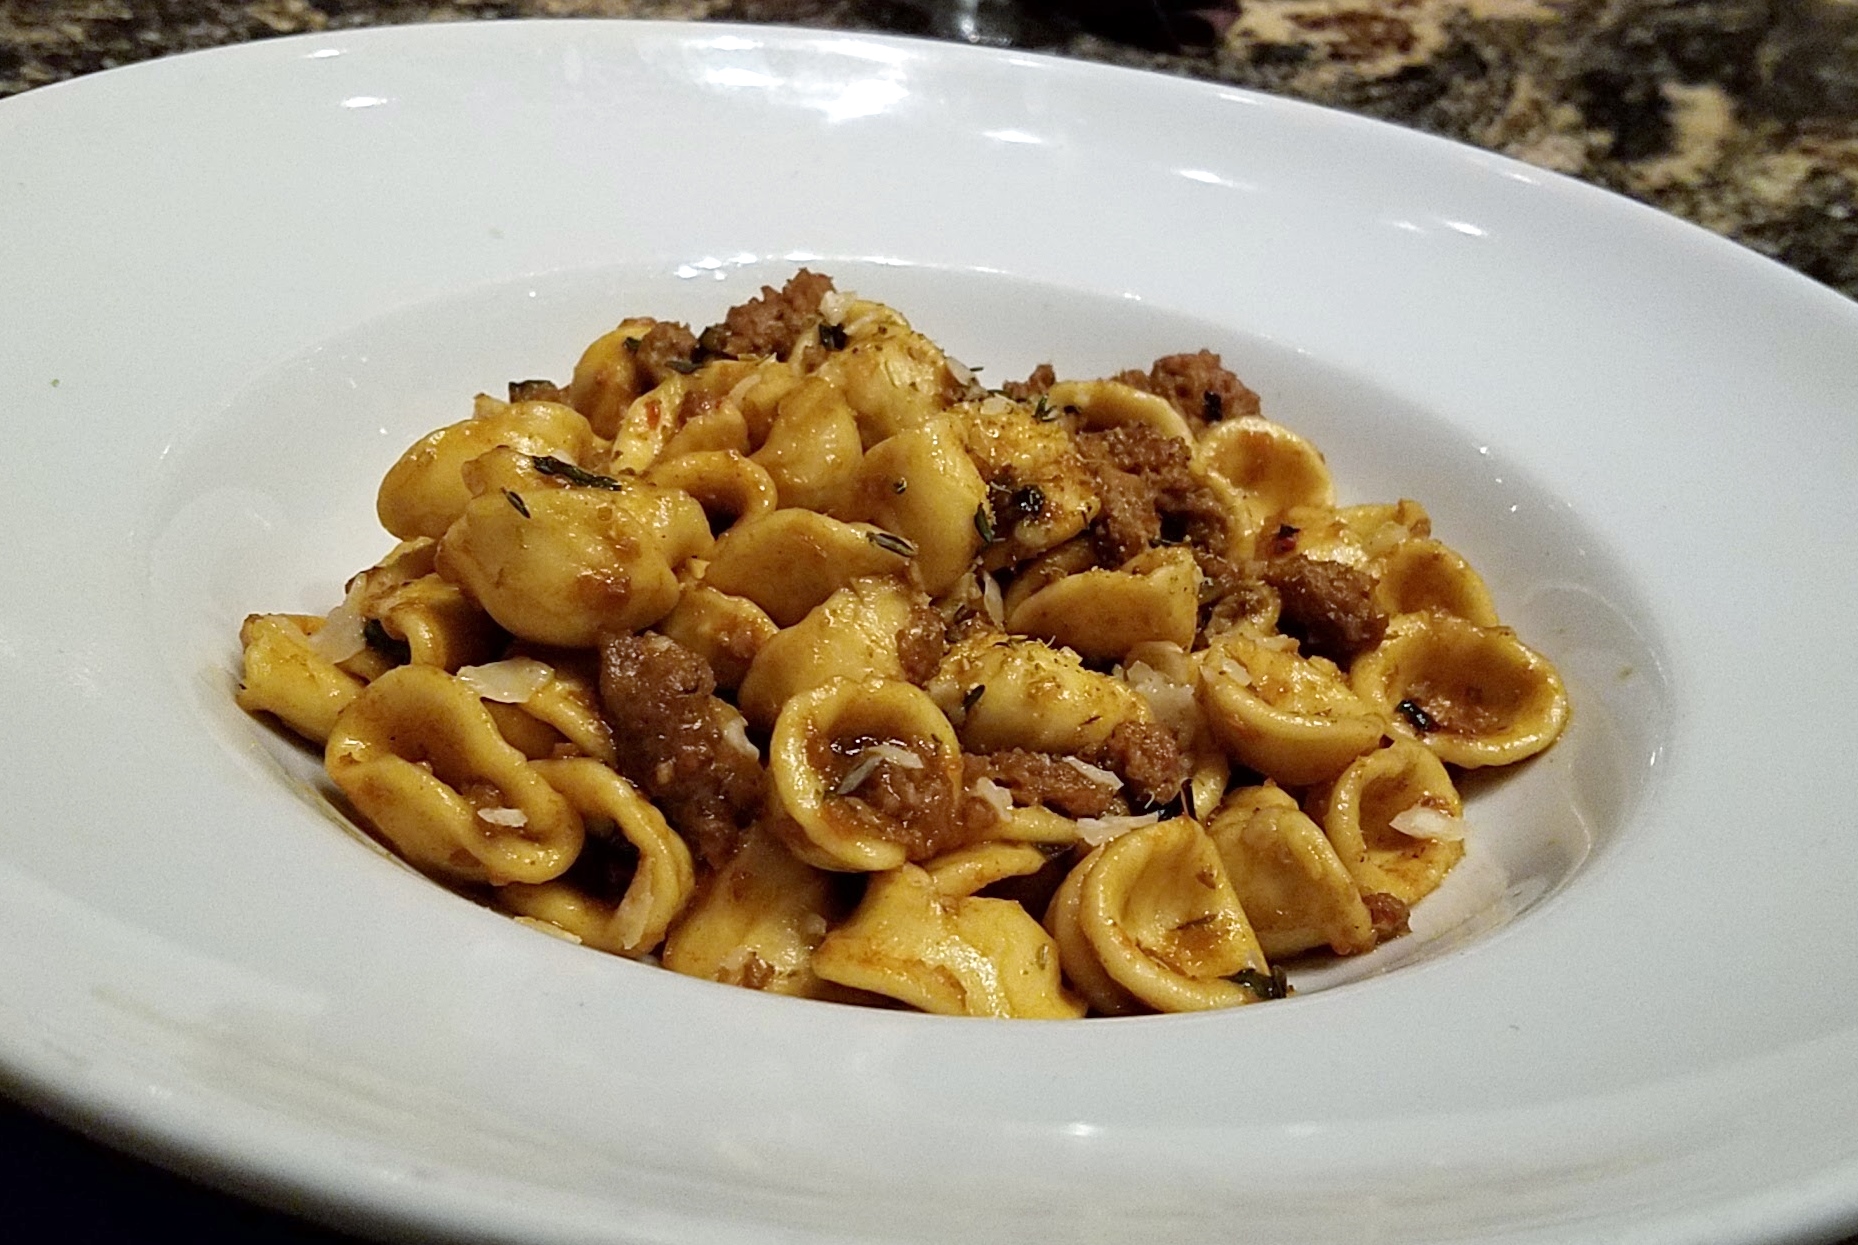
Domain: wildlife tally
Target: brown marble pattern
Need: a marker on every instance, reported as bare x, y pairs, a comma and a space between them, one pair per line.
1741, 115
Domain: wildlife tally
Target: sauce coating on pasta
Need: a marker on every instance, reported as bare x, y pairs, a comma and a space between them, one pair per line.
789, 655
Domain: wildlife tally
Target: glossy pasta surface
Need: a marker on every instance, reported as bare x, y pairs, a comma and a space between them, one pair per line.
789, 655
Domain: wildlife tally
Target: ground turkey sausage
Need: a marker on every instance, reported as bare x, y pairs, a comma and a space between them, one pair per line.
771, 324
669, 728
1329, 607
1198, 386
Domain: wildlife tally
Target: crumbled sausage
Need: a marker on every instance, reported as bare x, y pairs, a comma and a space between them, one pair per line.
915, 807
667, 347
1040, 382
1388, 913
1150, 760
669, 727
1197, 385
920, 644
1149, 494
1327, 606
771, 324
536, 391
1041, 778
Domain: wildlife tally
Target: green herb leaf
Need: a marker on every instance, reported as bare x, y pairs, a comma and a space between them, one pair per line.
683, 367
1271, 985
515, 499
1417, 717
377, 638
984, 525
890, 542
972, 697
1043, 411
832, 336
549, 465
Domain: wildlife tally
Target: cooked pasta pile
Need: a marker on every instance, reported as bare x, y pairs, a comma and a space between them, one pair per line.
790, 655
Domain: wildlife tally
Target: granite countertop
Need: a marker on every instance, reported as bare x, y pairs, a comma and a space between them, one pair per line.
1740, 115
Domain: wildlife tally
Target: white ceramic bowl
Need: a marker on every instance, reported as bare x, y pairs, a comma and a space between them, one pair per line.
239, 283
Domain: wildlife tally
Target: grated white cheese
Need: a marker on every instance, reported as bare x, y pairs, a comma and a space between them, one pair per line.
548, 927
998, 404
963, 374
833, 305
1173, 703
896, 756
512, 681
341, 636
1229, 667
1097, 831
735, 734
511, 817
992, 603
1420, 822
1096, 774
994, 795
741, 390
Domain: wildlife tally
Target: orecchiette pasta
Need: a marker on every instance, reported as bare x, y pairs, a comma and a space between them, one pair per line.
790, 656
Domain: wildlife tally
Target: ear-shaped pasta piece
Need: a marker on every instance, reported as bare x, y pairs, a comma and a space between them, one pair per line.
893, 377
1022, 449
792, 560
285, 677
850, 635
1389, 816
1363, 536
419, 757
966, 870
755, 922
608, 377
922, 485
1472, 695
1079, 959
1074, 557
709, 428
1101, 404
658, 415
1267, 461
561, 565
812, 450
441, 626
867, 775
425, 491
726, 631
563, 694
951, 956
1423, 575
661, 884
1103, 614
1031, 696
1289, 717
1161, 917
728, 486
1206, 783
1293, 886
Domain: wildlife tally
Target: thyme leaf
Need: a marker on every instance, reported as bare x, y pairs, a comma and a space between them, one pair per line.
890, 542
549, 465
983, 524
832, 336
515, 499
1417, 717
1271, 985
972, 697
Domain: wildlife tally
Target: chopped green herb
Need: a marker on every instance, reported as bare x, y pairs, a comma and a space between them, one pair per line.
1043, 411
1212, 407
1271, 985
984, 525
832, 336
972, 697
549, 465
631, 344
890, 542
515, 499
683, 367
1420, 720
899, 486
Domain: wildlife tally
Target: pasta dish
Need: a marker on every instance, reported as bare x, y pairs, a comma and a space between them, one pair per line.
790, 654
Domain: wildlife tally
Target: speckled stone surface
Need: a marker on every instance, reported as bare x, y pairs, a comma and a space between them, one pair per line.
1741, 115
